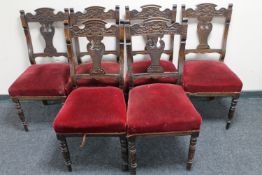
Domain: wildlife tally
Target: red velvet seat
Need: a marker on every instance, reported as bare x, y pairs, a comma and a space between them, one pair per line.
42, 80
160, 108
92, 110
109, 68
209, 76
141, 67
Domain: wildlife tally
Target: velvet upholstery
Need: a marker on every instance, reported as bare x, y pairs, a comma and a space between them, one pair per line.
92, 110
109, 68
42, 80
160, 108
209, 76
141, 67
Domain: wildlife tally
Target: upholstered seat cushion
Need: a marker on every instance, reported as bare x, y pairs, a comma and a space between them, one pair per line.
160, 108
92, 110
141, 67
109, 68
209, 76
42, 80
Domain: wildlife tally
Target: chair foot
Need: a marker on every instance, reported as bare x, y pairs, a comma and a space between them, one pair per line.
211, 98
228, 124
191, 152
65, 152
21, 114
132, 155
124, 153
232, 110
45, 102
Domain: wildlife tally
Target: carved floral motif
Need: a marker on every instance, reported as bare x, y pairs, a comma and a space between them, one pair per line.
94, 12
150, 11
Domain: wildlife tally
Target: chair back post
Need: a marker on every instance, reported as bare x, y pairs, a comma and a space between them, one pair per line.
129, 54
173, 19
70, 52
28, 36
122, 52
72, 21
117, 14
182, 48
225, 34
205, 13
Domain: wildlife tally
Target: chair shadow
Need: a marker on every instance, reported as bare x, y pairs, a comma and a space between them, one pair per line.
216, 109
162, 151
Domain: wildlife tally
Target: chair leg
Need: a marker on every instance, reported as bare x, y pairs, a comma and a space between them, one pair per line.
20, 113
124, 153
65, 151
132, 155
232, 110
191, 152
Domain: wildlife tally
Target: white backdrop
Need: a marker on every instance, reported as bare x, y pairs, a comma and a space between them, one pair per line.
243, 49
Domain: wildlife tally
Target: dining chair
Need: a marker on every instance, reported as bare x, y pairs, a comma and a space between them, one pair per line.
42, 81
92, 111
210, 77
158, 109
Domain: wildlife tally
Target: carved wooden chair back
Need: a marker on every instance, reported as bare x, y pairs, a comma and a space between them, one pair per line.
46, 18
151, 11
94, 31
153, 30
204, 14
95, 12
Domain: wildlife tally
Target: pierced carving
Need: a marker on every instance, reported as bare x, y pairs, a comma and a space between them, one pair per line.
94, 31
47, 30
46, 17
155, 53
150, 11
191, 152
94, 12
154, 30
93, 28
205, 14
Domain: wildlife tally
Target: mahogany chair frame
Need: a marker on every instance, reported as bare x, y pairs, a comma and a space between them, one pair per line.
153, 30
204, 13
46, 17
149, 11
94, 12
94, 31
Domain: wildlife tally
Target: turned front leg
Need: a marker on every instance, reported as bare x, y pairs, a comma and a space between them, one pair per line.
132, 155
21, 113
65, 151
191, 152
232, 110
